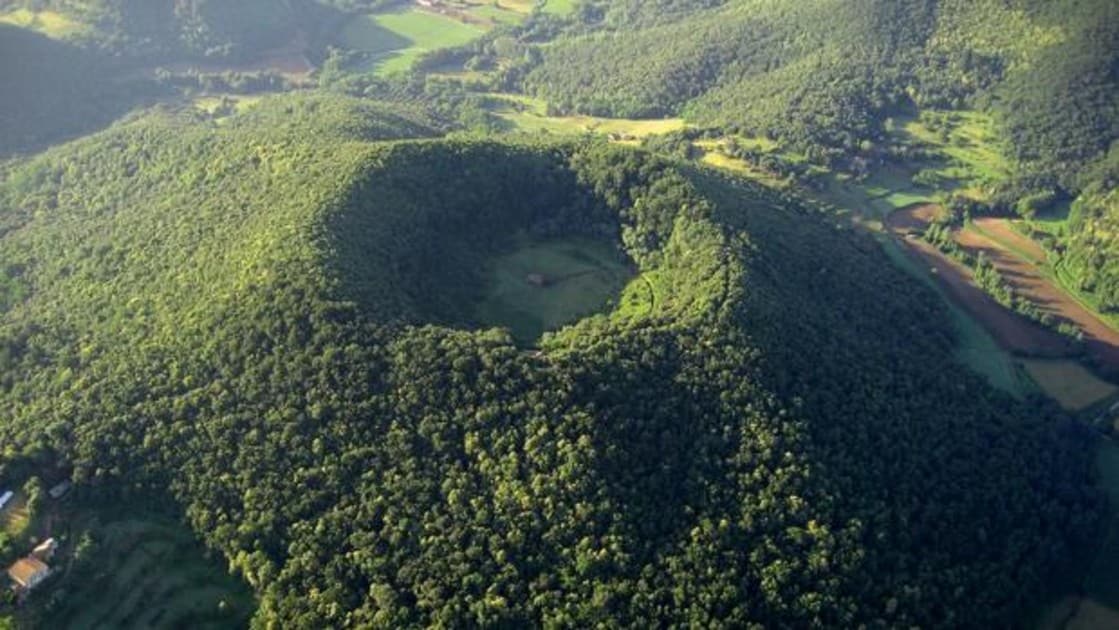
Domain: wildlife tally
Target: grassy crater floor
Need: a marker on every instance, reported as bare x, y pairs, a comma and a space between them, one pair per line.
542, 285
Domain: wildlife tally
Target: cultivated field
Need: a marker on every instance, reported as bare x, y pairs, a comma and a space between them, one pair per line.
1013, 332
1072, 385
1029, 281
975, 347
580, 276
1004, 233
393, 41
528, 115
1068, 382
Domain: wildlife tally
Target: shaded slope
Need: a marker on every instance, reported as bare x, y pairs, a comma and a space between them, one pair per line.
53, 91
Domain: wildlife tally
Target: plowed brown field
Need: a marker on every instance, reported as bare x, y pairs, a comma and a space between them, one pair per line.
1012, 331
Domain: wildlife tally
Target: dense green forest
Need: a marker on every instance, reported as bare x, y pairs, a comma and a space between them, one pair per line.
824, 76
263, 320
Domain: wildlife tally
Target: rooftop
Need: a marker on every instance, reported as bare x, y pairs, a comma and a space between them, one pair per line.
25, 569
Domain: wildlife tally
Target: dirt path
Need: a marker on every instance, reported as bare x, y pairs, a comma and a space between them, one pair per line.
1028, 281
1013, 332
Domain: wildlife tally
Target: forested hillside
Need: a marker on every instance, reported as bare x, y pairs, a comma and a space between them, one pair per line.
203, 28
264, 320
832, 82
824, 76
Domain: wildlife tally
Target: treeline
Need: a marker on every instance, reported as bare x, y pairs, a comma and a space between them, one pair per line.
262, 320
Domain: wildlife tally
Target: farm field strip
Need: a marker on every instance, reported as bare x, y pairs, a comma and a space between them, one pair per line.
1013, 332
1003, 232
1029, 281
975, 346
1072, 385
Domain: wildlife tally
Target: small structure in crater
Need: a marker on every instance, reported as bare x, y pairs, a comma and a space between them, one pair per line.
538, 280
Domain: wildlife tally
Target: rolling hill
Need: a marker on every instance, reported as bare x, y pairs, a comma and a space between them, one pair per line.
273, 322
824, 76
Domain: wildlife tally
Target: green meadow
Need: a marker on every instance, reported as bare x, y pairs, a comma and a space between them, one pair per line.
392, 42
580, 277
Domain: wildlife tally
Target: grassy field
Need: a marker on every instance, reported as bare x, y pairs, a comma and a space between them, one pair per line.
582, 276
967, 143
15, 517
393, 41
559, 7
1069, 383
525, 114
49, 23
146, 572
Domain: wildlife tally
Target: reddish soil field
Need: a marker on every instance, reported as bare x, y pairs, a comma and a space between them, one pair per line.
1027, 280
914, 219
1013, 332
1002, 231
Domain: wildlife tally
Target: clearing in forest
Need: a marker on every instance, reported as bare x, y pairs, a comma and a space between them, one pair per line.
393, 41
14, 517
1072, 385
544, 284
529, 115
143, 573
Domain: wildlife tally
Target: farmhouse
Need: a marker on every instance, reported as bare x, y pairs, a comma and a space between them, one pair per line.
45, 550
4, 498
29, 572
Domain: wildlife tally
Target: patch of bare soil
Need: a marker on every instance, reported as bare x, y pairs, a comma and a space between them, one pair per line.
1012, 331
1027, 280
1003, 231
